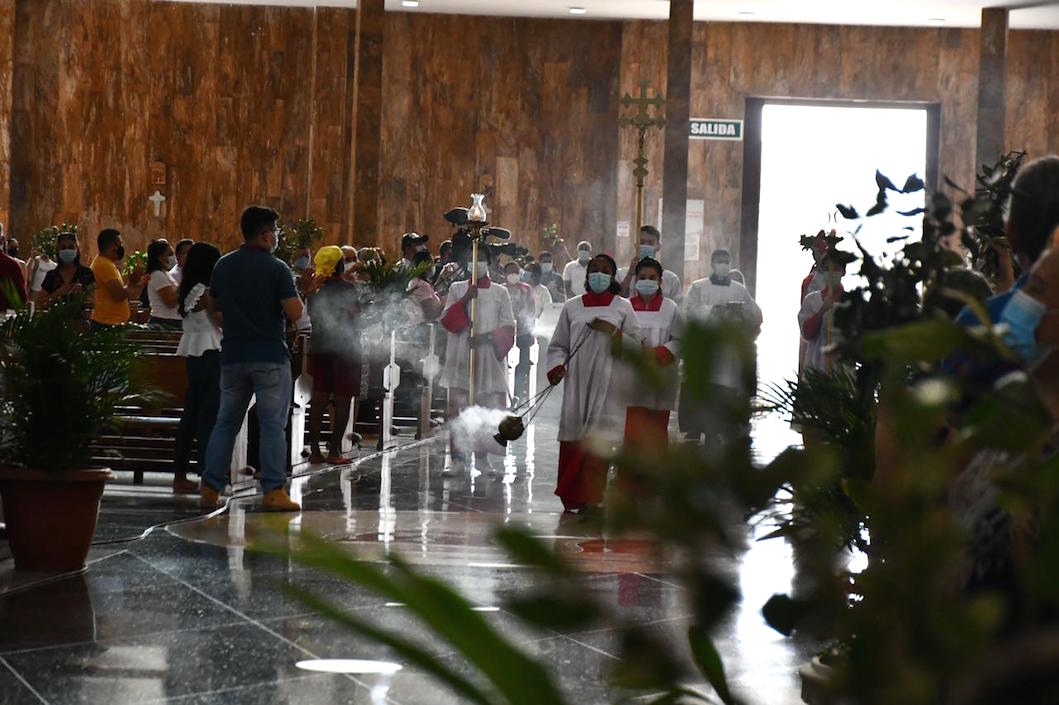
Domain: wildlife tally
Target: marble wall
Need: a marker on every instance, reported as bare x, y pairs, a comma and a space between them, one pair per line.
103, 102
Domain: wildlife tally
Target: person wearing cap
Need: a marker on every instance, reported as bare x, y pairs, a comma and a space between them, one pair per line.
411, 243
576, 272
334, 359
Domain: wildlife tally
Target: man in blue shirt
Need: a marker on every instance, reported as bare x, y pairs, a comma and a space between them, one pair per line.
253, 291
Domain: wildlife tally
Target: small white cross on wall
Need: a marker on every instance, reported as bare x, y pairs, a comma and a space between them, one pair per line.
157, 199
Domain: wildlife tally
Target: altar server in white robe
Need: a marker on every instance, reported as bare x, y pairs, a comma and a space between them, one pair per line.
495, 334
661, 327
717, 297
595, 393
816, 319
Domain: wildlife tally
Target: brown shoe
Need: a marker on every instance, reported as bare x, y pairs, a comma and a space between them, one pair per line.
278, 500
317, 458
182, 485
209, 498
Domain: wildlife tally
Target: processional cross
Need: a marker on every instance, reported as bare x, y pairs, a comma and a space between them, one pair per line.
641, 119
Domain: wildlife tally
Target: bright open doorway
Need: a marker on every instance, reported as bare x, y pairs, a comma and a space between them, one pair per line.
812, 157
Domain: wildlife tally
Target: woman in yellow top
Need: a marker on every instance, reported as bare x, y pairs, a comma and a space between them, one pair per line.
112, 293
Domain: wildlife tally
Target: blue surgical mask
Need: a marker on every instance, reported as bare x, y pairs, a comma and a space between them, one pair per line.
583, 256
647, 287
302, 263
67, 256
526, 277
647, 251
1022, 315
722, 269
598, 282
546, 267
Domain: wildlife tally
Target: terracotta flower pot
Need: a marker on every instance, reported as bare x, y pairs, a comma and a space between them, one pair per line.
51, 517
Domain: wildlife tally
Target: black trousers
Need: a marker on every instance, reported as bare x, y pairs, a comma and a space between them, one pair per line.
200, 407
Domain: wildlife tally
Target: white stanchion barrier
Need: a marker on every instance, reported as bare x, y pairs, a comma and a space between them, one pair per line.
431, 366
391, 378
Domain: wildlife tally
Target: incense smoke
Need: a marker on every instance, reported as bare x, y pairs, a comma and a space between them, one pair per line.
473, 430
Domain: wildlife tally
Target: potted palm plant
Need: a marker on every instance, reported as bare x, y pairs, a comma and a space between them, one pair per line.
61, 387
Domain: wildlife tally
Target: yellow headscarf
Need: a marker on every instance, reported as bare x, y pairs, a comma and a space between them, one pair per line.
326, 259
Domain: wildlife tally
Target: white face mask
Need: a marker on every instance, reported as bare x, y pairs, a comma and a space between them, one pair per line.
546, 267
722, 269
513, 279
172, 262
583, 256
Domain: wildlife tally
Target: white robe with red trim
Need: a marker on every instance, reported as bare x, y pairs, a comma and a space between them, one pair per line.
661, 328
595, 389
493, 316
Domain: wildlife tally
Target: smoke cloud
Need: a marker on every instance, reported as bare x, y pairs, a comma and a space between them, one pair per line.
473, 430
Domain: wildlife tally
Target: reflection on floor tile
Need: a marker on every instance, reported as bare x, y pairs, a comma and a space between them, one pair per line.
192, 614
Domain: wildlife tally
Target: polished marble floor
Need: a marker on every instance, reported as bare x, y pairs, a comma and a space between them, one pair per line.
190, 614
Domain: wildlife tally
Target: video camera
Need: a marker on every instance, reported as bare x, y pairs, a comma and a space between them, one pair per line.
463, 235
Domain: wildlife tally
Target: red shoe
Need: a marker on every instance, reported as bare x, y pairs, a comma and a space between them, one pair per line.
337, 459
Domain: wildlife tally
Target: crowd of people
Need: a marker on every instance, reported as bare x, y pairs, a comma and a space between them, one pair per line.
234, 334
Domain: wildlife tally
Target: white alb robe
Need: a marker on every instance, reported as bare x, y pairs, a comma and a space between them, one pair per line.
661, 328
494, 311
817, 353
706, 299
595, 389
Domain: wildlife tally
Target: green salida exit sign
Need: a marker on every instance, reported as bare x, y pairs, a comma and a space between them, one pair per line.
716, 129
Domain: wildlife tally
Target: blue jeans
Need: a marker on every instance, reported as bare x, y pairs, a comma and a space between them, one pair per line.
271, 382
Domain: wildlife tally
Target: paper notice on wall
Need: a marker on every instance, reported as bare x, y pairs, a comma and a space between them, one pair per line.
694, 225
623, 231
659, 215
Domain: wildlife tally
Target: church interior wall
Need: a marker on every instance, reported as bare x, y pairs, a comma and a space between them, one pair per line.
99, 99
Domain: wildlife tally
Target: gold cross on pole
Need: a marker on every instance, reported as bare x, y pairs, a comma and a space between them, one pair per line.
641, 119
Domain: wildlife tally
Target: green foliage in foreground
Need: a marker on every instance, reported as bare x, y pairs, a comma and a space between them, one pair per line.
61, 386
956, 508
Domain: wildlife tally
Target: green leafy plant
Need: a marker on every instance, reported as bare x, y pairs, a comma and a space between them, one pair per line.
43, 242
136, 260
61, 387
391, 276
983, 213
304, 234
911, 627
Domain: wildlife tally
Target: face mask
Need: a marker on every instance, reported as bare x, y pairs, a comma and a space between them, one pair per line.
526, 277
647, 251
1022, 315
67, 256
513, 278
275, 243
647, 287
421, 248
171, 262
121, 253
583, 256
546, 267
302, 263
722, 270
483, 269
598, 282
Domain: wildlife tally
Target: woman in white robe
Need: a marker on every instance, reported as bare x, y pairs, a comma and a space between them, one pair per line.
495, 334
595, 395
661, 327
